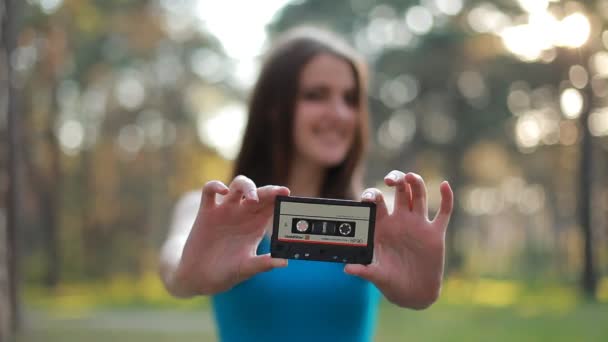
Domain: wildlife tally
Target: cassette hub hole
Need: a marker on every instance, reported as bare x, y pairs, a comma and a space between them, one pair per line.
302, 226
345, 229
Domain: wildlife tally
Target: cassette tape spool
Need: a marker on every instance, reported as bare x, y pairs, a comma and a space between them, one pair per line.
323, 230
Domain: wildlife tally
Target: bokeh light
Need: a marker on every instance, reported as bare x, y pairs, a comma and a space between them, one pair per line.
578, 76
208, 64
158, 131
449, 7
130, 140
486, 18
533, 6
518, 99
399, 91
528, 132
397, 131
438, 127
130, 91
70, 134
223, 130
419, 19
542, 32
599, 63
471, 84
599, 86
571, 102
598, 122
47, 6
573, 31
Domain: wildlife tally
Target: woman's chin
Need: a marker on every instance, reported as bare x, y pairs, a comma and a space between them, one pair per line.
330, 161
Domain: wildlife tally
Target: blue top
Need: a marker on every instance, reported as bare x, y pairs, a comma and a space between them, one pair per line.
308, 301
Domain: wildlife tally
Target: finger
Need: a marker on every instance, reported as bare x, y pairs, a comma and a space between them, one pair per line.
442, 218
259, 263
367, 272
418, 188
241, 187
403, 193
209, 190
374, 195
266, 195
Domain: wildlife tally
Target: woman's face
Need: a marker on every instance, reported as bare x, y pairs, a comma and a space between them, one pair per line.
326, 111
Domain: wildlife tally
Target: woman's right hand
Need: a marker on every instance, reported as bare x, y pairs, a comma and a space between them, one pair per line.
221, 249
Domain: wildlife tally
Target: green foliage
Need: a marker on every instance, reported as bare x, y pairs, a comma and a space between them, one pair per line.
471, 310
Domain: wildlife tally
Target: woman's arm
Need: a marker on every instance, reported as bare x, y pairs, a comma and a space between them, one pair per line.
182, 219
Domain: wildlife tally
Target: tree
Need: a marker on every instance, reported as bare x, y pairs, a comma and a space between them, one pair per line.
9, 303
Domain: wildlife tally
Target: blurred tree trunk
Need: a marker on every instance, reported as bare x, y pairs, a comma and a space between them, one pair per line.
455, 256
589, 276
45, 177
45, 181
50, 197
9, 310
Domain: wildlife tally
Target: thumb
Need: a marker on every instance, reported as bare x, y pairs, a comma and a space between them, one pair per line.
368, 273
258, 264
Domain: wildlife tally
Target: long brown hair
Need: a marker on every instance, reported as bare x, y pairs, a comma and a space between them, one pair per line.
268, 144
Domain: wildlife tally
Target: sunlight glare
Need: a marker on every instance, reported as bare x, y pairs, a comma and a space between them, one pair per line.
533, 6
523, 41
224, 130
573, 31
239, 25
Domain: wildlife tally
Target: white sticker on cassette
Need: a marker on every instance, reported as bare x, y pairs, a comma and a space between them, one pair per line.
324, 224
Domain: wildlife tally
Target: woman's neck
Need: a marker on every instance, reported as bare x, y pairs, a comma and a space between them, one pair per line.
305, 178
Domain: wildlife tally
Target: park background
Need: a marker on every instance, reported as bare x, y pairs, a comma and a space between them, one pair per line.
114, 109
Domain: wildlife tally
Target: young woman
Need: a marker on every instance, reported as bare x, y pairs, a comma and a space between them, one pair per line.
306, 136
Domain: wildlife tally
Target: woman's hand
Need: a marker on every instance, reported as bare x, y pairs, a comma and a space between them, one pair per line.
409, 248
221, 249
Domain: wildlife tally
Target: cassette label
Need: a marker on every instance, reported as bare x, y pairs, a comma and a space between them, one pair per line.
321, 223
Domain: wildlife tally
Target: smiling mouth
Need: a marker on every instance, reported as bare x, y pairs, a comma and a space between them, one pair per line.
332, 138
330, 134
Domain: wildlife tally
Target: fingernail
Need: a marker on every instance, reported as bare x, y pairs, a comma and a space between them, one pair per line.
391, 176
252, 194
368, 195
279, 262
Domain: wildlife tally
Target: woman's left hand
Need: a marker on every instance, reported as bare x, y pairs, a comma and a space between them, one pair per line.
409, 248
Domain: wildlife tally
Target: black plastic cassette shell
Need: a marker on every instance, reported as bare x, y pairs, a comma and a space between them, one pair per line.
321, 251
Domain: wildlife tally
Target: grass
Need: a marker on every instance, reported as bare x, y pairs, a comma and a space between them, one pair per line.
476, 323
479, 310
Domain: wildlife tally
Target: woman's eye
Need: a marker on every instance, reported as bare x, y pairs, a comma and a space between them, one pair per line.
313, 94
351, 99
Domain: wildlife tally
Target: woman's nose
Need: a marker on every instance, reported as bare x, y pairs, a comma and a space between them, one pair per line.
340, 109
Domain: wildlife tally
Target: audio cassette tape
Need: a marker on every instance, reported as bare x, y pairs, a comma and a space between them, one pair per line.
323, 230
